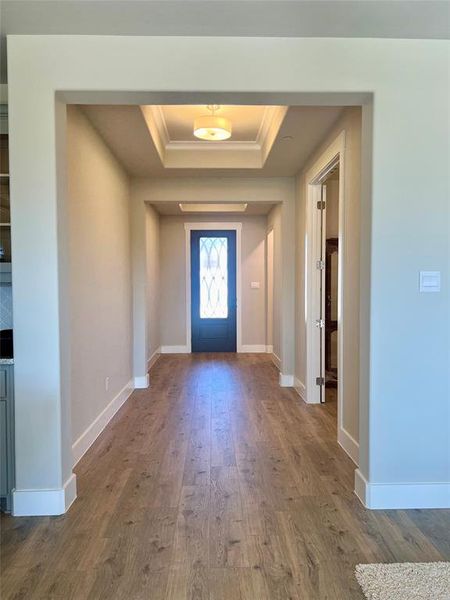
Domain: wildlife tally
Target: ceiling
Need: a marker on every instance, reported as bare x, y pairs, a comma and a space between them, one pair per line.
279, 18
295, 132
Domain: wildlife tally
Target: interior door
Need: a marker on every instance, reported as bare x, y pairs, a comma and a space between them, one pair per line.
213, 291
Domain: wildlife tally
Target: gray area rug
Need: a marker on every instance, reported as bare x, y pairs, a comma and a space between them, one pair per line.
405, 581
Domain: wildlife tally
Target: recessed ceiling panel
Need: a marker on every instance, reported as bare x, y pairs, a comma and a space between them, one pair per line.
246, 121
254, 130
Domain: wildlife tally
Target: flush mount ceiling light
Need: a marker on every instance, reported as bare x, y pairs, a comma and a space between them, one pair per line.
211, 127
210, 207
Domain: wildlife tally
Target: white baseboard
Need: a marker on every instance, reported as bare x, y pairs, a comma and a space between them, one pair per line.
86, 439
286, 380
269, 349
142, 382
276, 361
401, 495
250, 348
300, 388
175, 350
349, 444
39, 503
360, 487
153, 358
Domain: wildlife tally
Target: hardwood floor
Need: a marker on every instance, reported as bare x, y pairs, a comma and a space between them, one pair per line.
214, 483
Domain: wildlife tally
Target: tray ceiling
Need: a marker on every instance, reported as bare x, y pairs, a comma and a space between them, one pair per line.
267, 141
255, 129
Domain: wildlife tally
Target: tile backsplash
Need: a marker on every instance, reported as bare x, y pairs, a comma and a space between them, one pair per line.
6, 318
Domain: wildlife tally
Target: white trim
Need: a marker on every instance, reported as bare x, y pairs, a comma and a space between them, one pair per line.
141, 382
38, 503
349, 444
153, 358
286, 380
269, 349
233, 226
387, 496
300, 388
253, 348
270, 127
86, 439
175, 350
276, 360
360, 486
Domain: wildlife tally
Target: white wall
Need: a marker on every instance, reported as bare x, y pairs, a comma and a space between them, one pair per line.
100, 272
153, 280
404, 407
173, 277
351, 123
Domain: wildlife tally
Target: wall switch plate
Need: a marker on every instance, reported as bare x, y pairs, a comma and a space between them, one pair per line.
254, 285
430, 281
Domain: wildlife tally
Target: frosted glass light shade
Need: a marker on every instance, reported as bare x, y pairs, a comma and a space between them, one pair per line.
212, 128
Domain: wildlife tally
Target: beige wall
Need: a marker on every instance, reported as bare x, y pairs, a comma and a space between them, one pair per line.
269, 287
100, 272
274, 224
332, 210
153, 279
351, 123
173, 277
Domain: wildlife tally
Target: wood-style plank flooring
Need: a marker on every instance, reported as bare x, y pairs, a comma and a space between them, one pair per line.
213, 484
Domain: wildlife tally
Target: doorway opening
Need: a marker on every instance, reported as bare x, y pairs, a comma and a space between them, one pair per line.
330, 232
325, 349
327, 282
325, 274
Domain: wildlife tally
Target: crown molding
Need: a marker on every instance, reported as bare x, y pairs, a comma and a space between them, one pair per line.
270, 126
186, 154
156, 125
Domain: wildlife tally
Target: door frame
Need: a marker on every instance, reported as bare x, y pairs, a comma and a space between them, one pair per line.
237, 227
335, 153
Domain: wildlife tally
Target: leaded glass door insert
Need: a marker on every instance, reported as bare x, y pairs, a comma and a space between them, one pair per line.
213, 291
213, 277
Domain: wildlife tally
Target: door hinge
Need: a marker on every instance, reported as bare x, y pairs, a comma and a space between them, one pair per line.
321, 205
320, 265
320, 380
320, 323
